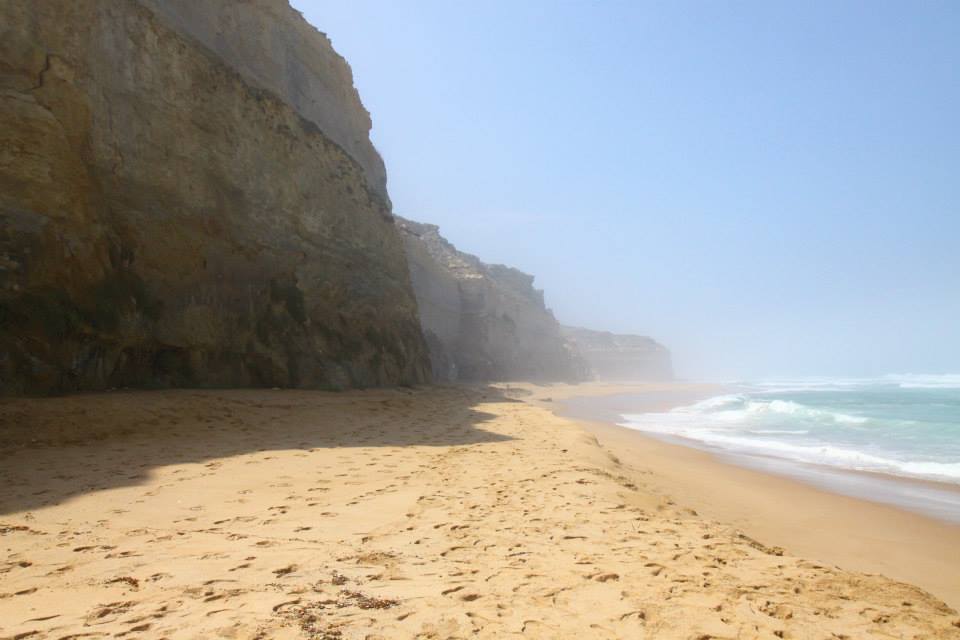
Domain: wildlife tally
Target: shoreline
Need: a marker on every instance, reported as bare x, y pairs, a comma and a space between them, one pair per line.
439, 512
923, 496
807, 517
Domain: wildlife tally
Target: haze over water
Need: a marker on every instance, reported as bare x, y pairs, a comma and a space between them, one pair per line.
768, 189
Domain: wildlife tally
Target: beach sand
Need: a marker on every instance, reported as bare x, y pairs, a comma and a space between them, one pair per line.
810, 522
410, 513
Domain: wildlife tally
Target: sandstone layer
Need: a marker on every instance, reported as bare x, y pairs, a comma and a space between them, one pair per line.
188, 196
621, 357
274, 48
481, 321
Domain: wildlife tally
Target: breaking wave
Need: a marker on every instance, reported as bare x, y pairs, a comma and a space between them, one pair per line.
900, 424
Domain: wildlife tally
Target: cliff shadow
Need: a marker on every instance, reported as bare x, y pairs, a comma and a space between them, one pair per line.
52, 449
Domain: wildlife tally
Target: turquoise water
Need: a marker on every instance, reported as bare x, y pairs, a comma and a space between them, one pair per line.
904, 425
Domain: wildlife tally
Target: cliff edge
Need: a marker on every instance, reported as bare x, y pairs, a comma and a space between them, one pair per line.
272, 47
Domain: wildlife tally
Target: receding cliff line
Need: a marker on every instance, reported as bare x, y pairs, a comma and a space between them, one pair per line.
483, 322
170, 217
620, 357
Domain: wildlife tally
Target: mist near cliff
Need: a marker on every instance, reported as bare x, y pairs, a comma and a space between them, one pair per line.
766, 189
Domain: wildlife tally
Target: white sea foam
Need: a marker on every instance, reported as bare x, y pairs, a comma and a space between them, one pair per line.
794, 409
830, 455
901, 380
740, 408
792, 385
790, 432
878, 424
924, 381
715, 403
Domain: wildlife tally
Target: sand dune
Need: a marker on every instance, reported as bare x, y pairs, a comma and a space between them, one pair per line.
440, 513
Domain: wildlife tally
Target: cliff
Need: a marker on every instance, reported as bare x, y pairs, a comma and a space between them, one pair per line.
616, 357
188, 196
482, 322
271, 46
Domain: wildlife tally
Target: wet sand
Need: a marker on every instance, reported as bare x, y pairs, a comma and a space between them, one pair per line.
428, 513
858, 534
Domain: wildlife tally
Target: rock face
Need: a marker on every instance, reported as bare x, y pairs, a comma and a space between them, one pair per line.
274, 48
482, 322
188, 196
616, 357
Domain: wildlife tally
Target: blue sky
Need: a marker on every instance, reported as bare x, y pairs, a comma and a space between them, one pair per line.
768, 188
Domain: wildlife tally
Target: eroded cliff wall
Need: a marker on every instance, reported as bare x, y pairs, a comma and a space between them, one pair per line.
188, 197
482, 322
619, 357
273, 47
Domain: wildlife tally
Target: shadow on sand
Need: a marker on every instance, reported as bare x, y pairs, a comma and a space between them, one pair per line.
52, 449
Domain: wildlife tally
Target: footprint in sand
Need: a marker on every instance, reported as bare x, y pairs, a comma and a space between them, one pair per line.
107, 613
283, 571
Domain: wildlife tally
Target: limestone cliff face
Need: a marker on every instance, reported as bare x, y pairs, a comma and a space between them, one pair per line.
188, 197
482, 322
274, 48
616, 357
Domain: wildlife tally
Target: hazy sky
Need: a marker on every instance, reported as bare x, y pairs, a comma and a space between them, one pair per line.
769, 188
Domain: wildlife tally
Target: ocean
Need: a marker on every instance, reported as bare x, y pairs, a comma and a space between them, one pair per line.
904, 426
907, 425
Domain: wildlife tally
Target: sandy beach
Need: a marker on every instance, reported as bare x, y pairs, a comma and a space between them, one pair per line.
418, 513
857, 534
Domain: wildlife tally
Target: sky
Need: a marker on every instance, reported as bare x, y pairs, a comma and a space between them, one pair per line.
770, 189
